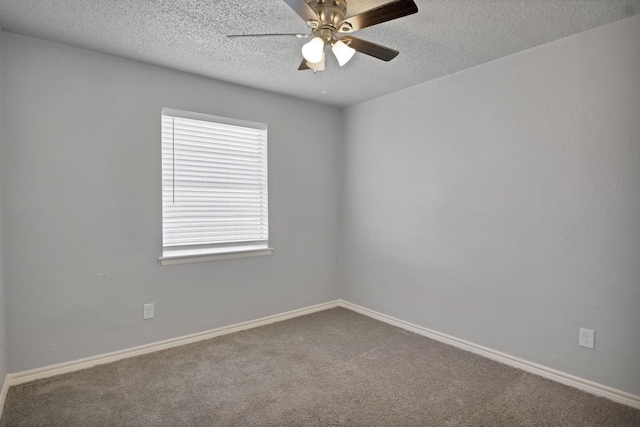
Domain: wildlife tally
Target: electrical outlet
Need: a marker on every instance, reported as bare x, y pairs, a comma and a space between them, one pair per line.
586, 338
148, 311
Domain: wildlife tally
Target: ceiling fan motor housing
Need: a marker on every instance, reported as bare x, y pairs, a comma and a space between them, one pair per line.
330, 13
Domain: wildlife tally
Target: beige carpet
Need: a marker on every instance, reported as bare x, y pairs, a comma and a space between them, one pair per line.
330, 368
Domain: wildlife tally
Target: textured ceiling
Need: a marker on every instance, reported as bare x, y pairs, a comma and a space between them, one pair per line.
445, 36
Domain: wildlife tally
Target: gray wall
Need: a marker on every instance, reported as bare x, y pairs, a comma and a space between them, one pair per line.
83, 209
501, 205
498, 205
3, 313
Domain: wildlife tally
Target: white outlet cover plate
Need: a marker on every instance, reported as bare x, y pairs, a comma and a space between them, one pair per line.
148, 311
587, 337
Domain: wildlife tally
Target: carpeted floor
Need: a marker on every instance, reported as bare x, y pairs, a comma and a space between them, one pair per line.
330, 368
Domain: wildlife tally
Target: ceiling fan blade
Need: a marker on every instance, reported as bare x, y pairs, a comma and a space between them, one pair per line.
303, 9
298, 35
368, 48
386, 12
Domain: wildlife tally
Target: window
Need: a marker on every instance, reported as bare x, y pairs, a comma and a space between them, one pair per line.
214, 188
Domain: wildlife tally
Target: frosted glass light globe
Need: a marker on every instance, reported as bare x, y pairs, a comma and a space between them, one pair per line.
342, 52
313, 50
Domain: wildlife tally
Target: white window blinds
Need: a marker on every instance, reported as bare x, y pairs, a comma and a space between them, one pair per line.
214, 183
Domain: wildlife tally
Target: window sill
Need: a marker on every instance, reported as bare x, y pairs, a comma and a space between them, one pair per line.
186, 256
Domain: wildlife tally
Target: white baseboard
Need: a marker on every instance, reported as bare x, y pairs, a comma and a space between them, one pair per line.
3, 393
561, 377
76, 365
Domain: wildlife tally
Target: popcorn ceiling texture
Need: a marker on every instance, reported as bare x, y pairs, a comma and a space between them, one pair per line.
444, 37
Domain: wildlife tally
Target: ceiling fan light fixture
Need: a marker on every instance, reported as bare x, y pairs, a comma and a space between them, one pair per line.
342, 52
313, 50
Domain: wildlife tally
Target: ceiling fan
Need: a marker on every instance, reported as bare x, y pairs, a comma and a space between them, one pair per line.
329, 27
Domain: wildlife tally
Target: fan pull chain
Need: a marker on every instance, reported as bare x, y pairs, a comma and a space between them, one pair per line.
324, 82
